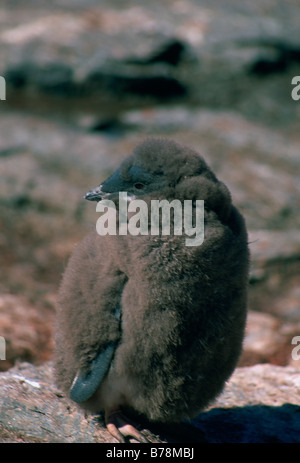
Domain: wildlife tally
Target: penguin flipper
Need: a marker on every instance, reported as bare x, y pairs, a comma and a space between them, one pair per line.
84, 386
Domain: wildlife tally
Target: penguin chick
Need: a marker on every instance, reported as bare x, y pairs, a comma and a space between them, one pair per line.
147, 323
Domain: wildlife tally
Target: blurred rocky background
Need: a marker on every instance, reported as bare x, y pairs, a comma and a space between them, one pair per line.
86, 81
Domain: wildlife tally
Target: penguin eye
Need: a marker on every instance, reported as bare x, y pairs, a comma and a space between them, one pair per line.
139, 186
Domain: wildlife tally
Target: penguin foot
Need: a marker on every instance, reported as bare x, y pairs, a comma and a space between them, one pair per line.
120, 427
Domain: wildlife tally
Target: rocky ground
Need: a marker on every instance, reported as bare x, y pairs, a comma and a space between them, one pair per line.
85, 83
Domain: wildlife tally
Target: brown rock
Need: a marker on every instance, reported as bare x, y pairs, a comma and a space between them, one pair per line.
275, 269
27, 331
264, 341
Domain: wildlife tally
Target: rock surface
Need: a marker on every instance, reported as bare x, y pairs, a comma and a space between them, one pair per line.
259, 404
216, 54
268, 340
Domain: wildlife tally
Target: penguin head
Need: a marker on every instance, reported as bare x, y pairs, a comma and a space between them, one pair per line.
133, 179
162, 168
155, 165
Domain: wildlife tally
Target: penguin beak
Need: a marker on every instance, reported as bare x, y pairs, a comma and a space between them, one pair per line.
109, 189
96, 194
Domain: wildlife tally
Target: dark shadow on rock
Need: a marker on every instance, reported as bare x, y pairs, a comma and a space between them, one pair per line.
285, 56
112, 128
170, 53
57, 79
155, 86
250, 424
54, 78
